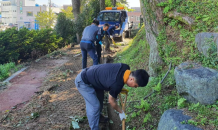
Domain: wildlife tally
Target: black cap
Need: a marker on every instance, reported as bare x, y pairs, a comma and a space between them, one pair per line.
141, 76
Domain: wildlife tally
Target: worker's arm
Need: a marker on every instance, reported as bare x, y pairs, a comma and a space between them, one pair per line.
113, 103
110, 30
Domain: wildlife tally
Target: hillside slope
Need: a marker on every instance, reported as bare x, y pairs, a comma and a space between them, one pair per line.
176, 44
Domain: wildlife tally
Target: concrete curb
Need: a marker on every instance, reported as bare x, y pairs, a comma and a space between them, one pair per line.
77, 55
14, 75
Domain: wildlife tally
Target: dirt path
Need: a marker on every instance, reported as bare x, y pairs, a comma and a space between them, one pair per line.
57, 98
45, 94
23, 86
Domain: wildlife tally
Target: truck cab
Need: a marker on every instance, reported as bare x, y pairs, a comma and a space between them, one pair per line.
115, 15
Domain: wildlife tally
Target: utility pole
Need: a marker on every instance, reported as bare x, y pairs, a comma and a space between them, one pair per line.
49, 3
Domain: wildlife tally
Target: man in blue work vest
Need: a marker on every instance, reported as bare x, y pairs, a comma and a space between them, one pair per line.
87, 43
92, 82
101, 33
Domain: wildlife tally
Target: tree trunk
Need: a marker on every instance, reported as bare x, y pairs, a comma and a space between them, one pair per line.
113, 3
76, 12
153, 17
107, 44
76, 8
102, 4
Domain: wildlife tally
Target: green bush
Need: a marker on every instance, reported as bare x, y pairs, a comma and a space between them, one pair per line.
64, 28
24, 44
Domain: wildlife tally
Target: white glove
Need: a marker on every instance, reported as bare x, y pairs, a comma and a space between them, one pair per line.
111, 36
122, 116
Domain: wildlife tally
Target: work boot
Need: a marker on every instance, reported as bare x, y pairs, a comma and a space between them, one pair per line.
103, 119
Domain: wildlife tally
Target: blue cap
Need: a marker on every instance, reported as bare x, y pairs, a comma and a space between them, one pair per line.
117, 24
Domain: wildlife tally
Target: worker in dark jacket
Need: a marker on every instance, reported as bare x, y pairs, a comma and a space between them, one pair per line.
101, 33
87, 43
111, 30
92, 82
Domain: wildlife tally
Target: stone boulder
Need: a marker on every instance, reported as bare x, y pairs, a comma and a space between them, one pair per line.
197, 83
171, 120
203, 41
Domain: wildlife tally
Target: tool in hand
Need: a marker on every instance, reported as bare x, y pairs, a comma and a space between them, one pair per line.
113, 41
124, 91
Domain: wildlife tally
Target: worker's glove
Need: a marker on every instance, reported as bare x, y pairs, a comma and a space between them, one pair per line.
122, 116
111, 37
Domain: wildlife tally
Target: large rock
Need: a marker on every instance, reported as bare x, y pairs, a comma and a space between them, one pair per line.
204, 39
196, 83
171, 120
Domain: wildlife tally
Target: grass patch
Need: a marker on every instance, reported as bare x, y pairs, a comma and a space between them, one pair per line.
7, 70
132, 54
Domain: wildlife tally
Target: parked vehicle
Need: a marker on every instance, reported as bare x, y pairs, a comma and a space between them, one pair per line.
113, 15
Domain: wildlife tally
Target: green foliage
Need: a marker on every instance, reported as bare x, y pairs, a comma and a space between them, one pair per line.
169, 101
46, 19
147, 118
157, 87
108, 3
68, 12
206, 114
144, 105
200, 10
133, 114
119, 4
169, 5
167, 49
64, 28
181, 103
24, 44
193, 106
192, 122
131, 54
5, 70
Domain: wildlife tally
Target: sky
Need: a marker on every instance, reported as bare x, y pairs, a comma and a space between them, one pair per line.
132, 3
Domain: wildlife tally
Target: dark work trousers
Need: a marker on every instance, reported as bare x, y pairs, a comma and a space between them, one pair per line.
90, 48
93, 105
94, 101
98, 49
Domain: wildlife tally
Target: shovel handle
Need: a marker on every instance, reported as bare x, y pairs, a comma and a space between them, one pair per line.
123, 104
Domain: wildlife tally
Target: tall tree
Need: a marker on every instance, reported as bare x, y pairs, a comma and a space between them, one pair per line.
102, 4
153, 17
46, 19
64, 28
76, 11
